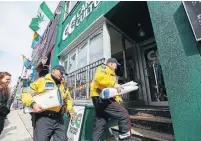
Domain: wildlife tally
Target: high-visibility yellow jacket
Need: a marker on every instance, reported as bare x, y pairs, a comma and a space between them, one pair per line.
39, 87
104, 77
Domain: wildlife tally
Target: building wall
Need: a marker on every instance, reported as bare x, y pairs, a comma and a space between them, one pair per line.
181, 64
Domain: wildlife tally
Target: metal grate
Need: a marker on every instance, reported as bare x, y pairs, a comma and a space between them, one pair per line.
79, 80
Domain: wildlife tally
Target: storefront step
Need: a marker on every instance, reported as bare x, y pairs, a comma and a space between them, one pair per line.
153, 119
153, 126
147, 135
149, 111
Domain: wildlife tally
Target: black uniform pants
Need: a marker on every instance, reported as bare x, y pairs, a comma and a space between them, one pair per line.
109, 109
2, 120
47, 126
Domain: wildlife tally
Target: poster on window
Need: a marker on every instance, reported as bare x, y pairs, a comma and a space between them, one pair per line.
75, 125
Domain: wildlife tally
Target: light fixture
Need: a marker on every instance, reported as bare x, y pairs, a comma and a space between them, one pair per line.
141, 32
44, 60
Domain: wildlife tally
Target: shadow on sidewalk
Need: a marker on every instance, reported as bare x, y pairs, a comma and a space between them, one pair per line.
29, 139
7, 122
6, 132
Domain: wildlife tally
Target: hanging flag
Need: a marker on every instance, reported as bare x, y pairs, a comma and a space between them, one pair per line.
27, 62
36, 40
44, 16
34, 24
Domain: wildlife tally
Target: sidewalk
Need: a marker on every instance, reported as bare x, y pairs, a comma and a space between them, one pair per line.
17, 127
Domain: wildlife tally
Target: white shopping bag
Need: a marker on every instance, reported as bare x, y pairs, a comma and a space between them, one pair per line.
47, 100
125, 88
128, 87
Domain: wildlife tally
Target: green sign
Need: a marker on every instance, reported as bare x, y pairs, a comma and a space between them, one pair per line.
77, 120
84, 14
74, 128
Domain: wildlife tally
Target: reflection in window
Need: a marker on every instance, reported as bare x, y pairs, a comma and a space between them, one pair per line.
66, 65
82, 56
128, 44
81, 86
96, 48
155, 75
72, 62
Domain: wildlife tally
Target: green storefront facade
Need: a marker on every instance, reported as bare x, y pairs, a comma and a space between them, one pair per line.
176, 45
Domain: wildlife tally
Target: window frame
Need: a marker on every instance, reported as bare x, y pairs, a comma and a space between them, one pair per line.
91, 39
72, 53
84, 45
86, 42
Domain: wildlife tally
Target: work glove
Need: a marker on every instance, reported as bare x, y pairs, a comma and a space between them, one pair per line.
119, 99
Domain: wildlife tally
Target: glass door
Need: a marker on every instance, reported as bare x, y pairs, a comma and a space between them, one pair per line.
155, 86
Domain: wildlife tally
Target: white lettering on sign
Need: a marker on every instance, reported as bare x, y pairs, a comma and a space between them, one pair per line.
82, 13
151, 55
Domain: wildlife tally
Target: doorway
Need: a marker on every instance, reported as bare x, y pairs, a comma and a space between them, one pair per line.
130, 34
154, 81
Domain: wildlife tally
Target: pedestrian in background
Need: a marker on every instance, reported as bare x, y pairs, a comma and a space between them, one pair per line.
5, 78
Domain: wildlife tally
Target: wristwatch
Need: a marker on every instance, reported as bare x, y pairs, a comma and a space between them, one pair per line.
32, 104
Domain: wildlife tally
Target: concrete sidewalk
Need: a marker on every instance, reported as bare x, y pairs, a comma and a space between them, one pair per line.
17, 127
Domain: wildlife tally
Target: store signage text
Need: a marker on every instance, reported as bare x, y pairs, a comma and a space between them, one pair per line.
82, 13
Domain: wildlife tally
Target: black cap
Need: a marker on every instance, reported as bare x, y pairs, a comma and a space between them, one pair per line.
60, 68
113, 60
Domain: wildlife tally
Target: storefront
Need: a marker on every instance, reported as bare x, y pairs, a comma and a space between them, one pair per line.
97, 30
156, 47
84, 29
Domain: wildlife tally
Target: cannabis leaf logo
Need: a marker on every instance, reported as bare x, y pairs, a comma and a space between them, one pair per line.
40, 18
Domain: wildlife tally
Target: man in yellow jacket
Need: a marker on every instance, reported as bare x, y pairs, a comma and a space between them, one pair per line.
105, 77
49, 122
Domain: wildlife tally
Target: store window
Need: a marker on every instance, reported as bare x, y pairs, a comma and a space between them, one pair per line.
82, 55
128, 44
96, 48
89, 51
66, 64
72, 62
